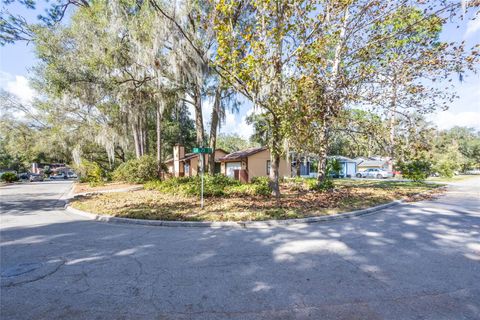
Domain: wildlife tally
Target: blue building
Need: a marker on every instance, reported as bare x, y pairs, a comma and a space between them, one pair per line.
349, 166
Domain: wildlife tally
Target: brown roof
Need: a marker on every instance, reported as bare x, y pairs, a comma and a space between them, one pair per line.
238, 155
192, 155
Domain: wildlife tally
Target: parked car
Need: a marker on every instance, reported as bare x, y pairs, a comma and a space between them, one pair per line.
374, 173
335, 175
23, 176
71, 175
58, 176
474, 171
36, 177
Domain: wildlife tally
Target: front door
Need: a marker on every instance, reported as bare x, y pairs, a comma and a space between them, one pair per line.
231, 166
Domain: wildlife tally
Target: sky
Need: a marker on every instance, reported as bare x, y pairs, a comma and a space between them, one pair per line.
16, 61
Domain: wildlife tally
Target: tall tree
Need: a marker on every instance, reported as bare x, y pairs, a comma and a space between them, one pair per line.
255, 42
414, 70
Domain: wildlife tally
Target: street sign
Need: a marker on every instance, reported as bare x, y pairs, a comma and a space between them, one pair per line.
202, 167
202, 150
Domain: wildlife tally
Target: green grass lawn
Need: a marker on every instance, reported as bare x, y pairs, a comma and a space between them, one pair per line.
296, 202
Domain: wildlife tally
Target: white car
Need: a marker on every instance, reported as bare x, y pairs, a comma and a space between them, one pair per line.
374, 173
58, 176
71, 175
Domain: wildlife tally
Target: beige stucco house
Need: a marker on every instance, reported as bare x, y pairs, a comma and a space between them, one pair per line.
249, 163
187, 165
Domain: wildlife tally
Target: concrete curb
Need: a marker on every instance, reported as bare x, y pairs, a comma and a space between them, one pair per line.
234, 224
231, 224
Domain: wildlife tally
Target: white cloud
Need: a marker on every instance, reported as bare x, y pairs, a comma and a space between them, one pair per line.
236, 124
472, 27
18, 86
230, 120
244, 129
448, 119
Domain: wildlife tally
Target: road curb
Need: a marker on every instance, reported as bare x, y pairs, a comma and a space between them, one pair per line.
232, 224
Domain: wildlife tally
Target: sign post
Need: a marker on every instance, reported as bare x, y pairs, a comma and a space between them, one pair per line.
201, 191
202, 151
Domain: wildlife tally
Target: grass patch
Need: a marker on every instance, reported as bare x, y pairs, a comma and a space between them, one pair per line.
296, 202
87, 187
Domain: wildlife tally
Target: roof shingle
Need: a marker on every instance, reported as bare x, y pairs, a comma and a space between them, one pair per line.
238, 155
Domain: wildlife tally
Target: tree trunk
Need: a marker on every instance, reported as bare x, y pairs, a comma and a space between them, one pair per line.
392, 111
120, 153
332, 107
213, 129
146, 147
275, 152
159, 140
274, 174
322, 156
322, 165
136, 141
197, 97
298, 165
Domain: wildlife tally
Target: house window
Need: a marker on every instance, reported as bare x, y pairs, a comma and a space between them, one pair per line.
268, 167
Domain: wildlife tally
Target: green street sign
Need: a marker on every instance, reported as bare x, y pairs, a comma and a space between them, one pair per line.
202, 150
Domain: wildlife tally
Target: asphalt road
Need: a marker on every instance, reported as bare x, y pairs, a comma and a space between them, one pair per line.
414, 261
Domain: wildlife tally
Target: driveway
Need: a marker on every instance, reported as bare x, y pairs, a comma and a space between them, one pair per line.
414, 261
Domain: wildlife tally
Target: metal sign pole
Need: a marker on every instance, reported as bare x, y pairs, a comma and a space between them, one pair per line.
201, 193
201, 151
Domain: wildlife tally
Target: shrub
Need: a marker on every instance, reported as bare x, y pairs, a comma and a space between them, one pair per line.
138, 170
260, 186
445, 166
333, 167
90, 172
448, 161
47, 171
416, 170
9, 177
325, 185
214, 186
263, 186
260, 180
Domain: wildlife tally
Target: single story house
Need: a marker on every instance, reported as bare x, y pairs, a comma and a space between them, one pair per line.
349, 166
304, 167
364, 164
187, 164
249, 163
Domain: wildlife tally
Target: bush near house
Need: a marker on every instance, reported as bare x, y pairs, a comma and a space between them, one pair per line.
138, 170
260, 186
416, 170
446, 165
310, 184
325, 185
9, 177
90, 172
214, 186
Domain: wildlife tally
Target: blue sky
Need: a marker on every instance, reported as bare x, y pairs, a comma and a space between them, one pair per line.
16, 61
